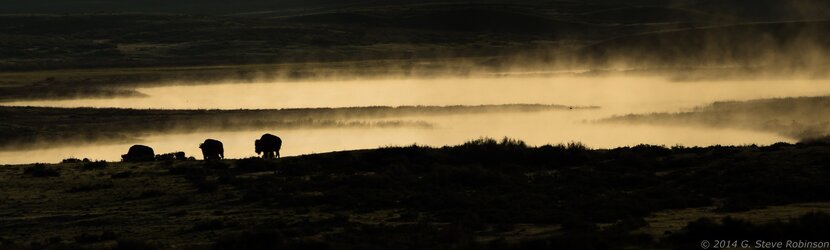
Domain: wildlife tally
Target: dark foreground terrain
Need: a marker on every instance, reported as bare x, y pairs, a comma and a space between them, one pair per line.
485, 194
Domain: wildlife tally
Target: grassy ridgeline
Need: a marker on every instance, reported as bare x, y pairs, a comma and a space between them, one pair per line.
483, 194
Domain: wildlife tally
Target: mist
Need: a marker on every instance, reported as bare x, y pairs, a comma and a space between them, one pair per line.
322, 116
536, 128
606, 74
614, 93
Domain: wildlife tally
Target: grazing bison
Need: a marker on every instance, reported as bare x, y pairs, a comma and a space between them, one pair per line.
269, 145
212, 149
139, 153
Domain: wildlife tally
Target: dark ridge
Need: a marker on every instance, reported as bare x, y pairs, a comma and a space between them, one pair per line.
795, 117
749, 44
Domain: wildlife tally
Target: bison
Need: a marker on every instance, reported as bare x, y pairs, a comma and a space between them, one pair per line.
139, 153
212, 149
269, 145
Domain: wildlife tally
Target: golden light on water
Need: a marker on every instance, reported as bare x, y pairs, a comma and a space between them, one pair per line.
615, 96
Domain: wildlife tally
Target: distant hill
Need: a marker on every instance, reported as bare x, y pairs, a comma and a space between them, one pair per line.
42, 34
802, 118
787, 44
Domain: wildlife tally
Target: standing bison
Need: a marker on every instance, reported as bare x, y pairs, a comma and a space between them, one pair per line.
138, 153
269, 145
212, 149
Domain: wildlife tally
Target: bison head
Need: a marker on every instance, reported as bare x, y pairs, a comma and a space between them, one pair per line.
258, 147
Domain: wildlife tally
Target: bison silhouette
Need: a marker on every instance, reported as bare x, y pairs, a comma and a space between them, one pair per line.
139, 153
269, 145
212, 149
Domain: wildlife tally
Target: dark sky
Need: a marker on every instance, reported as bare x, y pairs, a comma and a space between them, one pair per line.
765, 9
178, 6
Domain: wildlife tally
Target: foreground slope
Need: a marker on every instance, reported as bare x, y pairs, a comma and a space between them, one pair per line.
483, 194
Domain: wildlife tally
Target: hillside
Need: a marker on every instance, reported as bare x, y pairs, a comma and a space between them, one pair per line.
140, 33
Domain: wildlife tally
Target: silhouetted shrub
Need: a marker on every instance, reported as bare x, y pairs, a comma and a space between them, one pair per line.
171, 156
576, 146
651, 151
41, 170
490, 142
71, 160
95, 165
481, 141
776, 146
